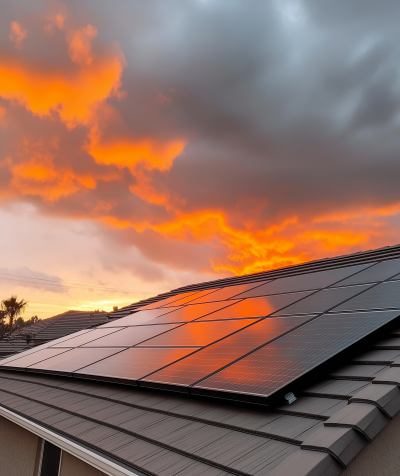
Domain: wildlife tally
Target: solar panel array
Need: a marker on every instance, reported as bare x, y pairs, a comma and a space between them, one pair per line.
251, 338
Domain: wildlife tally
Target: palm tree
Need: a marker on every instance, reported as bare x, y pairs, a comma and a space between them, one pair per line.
13, 308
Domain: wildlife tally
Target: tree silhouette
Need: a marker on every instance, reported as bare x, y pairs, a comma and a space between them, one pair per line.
13, 308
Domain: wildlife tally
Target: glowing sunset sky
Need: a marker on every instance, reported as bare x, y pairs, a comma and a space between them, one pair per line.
146, 145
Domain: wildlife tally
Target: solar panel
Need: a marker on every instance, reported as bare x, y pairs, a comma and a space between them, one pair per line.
256, 307
303, 282
137, 318
198, 333
197, 295
275, 365
167, 301
190, 313
228, 292
94, 334
323, 300
73, 359
129, 336
383, 296
41, 347
211, 358
25, 359
136, 362
374, 274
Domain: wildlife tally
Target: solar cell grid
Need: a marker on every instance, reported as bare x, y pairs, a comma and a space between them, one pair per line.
256, 307
211, 358
374, 274
138, 318
135, 362
198, 333
73, 359
27, 360
277, 364
303, 282
190, 313
39, 348
191, 297
129, 336
167, 301
228, 292
383, 296
75, 341
323, 300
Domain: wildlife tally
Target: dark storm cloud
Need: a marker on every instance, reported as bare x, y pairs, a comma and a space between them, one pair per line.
288, 109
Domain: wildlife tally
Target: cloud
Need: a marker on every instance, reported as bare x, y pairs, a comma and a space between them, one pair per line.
17, 34
208, 137
27, 278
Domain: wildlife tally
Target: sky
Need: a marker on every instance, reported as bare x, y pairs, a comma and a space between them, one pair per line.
150, 145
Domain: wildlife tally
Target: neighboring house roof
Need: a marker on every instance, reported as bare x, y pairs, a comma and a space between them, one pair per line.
337, 348
69, 322
51, 328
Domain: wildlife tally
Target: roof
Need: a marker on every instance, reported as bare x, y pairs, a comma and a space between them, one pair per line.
51, 328
345, 396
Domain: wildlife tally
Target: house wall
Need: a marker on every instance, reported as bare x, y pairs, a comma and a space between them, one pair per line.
19, 450
382, 456
71, 466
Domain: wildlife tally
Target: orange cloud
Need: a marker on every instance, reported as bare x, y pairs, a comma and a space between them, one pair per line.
17, 34
73, 94
129, 152
80, 44
39, 176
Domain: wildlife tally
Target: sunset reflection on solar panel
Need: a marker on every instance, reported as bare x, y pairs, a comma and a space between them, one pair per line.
198, 333
256, 307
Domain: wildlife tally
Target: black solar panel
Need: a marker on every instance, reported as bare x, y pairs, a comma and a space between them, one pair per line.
303, 282
323, 300
41, 347
228, 292
261, 306
373, 274
277, 364
129, 336
25, 360
73, 359
197, 333
76, 341
383, 296
136, 362
168, 301
137, 318
212, 358
190, 313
